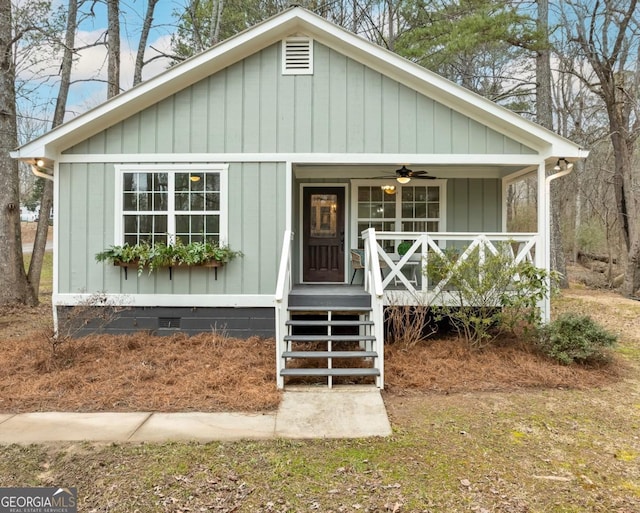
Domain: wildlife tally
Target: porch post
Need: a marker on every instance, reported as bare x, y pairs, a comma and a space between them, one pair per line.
543, 259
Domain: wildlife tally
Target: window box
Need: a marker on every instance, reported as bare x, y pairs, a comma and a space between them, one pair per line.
158, 256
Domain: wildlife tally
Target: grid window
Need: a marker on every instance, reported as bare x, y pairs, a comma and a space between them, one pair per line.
407, 208
163, 206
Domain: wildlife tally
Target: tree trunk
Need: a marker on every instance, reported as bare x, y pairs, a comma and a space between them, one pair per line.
627, 206
217, 7
544, 114
46, 201
142, 44
113, 46
14, 287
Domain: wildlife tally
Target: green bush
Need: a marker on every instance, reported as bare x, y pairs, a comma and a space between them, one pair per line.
573, 338
486, 294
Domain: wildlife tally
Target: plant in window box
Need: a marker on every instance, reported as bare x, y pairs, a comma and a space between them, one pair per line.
161, 255
127, 256
205, 253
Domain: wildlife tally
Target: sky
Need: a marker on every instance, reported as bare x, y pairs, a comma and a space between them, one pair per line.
91, 63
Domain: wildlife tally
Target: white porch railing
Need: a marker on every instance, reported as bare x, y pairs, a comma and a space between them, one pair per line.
283, 287
406, 272
374, 286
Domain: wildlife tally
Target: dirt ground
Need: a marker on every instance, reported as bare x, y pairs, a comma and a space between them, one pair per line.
210, 372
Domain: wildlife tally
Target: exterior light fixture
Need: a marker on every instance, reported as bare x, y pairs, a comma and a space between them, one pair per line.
388, 189
40, 163
403, 179
567, 165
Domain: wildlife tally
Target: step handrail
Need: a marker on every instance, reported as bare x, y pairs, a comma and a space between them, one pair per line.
373, 285
283, 287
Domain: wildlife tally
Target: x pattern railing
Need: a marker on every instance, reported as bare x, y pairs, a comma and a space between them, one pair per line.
521, 247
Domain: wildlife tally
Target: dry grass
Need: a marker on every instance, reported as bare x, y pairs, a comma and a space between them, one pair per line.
209, 372
447, 365
138, 373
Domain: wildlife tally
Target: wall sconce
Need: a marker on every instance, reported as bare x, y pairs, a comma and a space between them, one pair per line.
567, 165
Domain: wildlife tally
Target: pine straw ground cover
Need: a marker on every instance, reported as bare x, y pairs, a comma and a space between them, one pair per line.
210, 372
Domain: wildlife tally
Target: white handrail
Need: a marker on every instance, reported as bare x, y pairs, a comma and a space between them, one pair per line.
284, 271
283, 287
373, 285
373, 274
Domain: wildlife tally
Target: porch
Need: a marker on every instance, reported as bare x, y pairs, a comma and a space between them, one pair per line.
320, 314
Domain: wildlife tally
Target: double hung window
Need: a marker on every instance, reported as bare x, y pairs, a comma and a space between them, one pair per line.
169, 203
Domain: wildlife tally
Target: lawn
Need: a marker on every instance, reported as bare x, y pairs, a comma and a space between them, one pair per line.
502, 431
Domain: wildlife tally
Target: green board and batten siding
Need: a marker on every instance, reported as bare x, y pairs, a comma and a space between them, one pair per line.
86, 227
250, 107
344, 107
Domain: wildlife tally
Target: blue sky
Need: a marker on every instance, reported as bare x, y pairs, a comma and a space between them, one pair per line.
91, 62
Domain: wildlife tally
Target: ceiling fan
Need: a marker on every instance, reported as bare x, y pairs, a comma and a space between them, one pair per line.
404, 175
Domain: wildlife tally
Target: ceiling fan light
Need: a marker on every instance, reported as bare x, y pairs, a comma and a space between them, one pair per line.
403, 179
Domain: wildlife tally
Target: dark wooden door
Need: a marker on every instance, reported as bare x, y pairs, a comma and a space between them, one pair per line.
323, 234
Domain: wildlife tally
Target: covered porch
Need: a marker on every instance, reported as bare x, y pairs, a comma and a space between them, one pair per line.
449, 209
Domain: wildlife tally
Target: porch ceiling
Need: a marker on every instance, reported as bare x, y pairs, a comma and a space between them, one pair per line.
443, 171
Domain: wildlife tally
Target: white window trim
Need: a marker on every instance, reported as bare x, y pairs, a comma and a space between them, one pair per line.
121, 169
391, 181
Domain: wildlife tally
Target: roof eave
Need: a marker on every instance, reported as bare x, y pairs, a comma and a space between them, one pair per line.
546, 143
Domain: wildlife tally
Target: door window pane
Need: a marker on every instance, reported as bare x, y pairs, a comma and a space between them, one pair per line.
323, 215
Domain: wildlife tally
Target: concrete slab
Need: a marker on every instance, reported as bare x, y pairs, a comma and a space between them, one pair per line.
5, 416
349, 412
205, 427
70, 427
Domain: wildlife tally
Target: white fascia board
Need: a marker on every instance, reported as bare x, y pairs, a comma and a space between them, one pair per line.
293, 21
161, 86
169, 300
442, 90
311, 158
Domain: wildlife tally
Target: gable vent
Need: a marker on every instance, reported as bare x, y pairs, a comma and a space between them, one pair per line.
297, 56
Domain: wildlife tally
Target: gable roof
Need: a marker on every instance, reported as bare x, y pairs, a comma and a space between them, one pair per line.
295, 21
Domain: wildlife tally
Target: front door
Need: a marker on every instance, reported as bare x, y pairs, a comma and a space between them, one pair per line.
323, 234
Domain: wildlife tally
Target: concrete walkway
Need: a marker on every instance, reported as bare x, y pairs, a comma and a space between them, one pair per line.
345, 412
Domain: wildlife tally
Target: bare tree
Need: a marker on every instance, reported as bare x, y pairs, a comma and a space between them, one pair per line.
142, 44
544, 116
14, 286
113, 47
608, 36
46, 201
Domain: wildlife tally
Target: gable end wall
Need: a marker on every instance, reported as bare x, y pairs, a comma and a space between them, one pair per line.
344, 107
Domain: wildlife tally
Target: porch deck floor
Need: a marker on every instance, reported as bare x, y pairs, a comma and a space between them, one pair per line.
327, 289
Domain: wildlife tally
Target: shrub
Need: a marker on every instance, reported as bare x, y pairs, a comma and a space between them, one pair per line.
486, 293
573, 338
